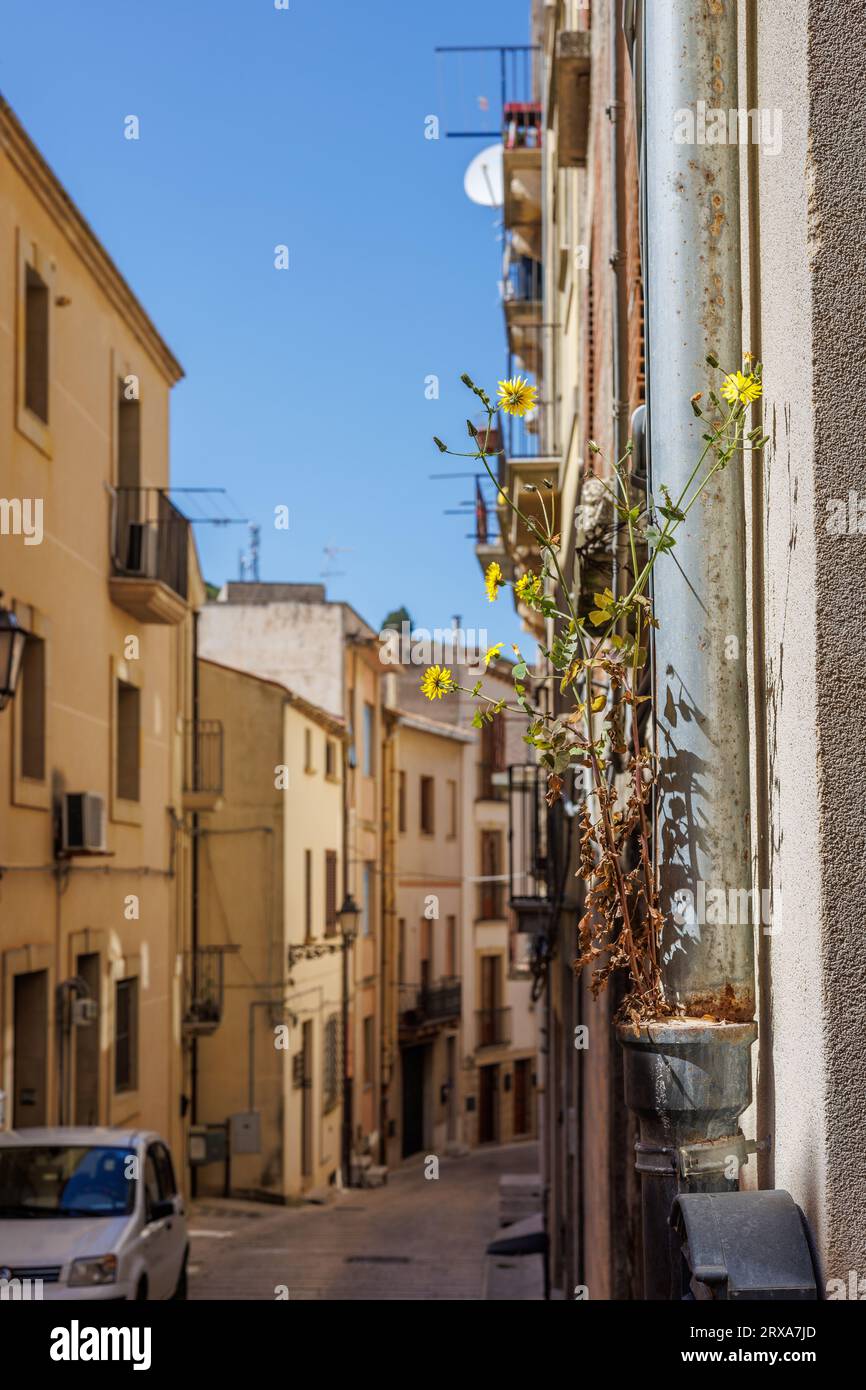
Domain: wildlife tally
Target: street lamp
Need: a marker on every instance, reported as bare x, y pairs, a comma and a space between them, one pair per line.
348, 914
12, 639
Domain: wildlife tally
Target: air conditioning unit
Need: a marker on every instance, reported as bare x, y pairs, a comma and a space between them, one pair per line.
82, 823
83, 1012
141, 545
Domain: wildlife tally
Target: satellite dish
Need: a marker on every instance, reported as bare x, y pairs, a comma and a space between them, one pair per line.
483, 179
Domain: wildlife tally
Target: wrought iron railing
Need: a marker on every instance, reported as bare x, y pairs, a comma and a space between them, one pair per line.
419, 1004
203, 756
149, 537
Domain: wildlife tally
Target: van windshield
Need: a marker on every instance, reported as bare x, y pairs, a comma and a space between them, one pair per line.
66, 1180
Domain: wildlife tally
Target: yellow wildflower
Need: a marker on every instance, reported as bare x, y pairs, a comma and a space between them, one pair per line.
742, 389
437, 682
529, 587
492, 654
516, 396
493, 580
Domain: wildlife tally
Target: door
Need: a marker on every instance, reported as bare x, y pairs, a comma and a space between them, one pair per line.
413, 1099
87, 1048
307, 1102
488, 1105
174, 1235
30, 1049
521, 1097
489, 1019
451, 1064
156, 1236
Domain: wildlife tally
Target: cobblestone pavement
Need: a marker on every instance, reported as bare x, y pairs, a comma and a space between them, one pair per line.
414, 1238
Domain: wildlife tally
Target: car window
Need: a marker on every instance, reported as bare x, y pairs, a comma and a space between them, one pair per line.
46, 1179
164, 1171
151, 1181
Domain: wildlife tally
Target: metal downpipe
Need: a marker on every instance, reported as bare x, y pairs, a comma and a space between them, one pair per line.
689, 1080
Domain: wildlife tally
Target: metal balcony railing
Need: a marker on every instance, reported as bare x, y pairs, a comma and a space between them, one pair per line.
203, 756
149, 537
492, 1027
204, 988
522, 125
437, 1003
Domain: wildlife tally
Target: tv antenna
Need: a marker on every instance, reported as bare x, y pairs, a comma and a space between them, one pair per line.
331, 552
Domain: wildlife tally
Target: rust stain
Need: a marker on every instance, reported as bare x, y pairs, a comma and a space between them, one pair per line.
723, 1005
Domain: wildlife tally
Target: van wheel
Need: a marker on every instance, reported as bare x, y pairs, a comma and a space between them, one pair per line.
181, 1288
141, 1291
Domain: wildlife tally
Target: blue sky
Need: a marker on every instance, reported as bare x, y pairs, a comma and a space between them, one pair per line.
304, 387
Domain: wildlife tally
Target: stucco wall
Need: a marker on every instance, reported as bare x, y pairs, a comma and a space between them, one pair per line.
812, 1086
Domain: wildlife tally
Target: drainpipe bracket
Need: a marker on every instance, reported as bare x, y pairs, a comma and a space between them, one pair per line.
714, 1155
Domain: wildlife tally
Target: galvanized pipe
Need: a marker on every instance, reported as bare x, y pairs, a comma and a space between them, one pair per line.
694, 308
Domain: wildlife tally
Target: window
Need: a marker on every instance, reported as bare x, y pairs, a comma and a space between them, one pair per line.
308, 751
367, 904
369, 731
401, 802
426, 807
308, 893
128, 437
330, 1080
368, 1050
452, 810
330, 892
451, 947
426, 953
491, 888
164, 1171
36, 301
126, 1035
31, 701
127, 774
330, 759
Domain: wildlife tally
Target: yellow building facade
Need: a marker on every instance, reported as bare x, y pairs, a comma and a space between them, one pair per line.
270, 863
100, 569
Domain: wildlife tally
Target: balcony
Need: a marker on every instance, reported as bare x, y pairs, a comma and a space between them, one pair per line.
521, 168
569, 96
492, 782
492, 1027
522, 295
491, 903
204, 989
202, 765
149, 555
427, 1008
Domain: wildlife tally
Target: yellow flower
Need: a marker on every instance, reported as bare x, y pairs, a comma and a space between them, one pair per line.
492, 654
529, 587
493, 580
516, 396
742, 389
437, 682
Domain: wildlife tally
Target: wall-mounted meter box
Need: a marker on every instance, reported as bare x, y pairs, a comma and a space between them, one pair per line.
207, 1144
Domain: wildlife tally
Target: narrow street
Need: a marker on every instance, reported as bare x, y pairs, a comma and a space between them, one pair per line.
415, 1238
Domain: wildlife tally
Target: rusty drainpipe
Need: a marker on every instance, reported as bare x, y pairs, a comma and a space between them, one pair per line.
689, 1081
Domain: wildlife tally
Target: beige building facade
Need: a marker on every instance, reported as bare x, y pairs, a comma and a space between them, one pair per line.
95, 855
325, 652
270, 867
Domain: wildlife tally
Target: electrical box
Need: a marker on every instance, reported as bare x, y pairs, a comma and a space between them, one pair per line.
207, 1144
746, 1245
245, 1132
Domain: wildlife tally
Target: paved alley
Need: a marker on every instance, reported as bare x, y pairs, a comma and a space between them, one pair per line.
415, 1238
